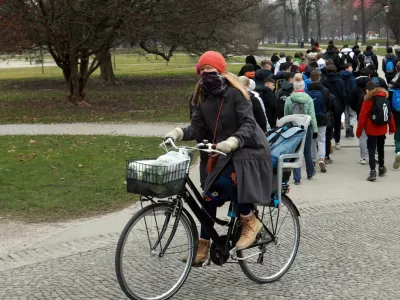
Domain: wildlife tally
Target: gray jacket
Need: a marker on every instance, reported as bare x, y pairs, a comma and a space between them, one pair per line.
252, 160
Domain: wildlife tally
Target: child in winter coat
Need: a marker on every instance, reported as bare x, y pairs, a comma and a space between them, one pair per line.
300, 103
376, 133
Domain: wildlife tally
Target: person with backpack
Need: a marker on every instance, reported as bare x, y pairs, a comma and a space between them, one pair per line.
355, 102
331, 54
375, 116
301, 103
349, 84
297, 59
357, 62
373, 74
337, 88
322, 107
395, 100
346, 56
389, 65
285, 91
258, 110
369, 58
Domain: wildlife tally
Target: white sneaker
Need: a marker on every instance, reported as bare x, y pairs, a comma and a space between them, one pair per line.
396, 163
363, 162
337, 146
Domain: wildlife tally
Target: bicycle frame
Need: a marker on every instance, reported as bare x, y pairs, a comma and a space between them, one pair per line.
190, 196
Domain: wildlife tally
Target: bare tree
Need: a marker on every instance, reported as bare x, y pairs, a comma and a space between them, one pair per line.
393, 17
79, 34
305, 7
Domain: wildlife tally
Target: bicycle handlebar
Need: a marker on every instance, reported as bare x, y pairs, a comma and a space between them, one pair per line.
205, 146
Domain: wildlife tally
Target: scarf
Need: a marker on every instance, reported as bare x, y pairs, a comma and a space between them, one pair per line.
213, 83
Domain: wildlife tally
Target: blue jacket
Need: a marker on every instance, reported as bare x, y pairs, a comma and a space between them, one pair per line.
347, 76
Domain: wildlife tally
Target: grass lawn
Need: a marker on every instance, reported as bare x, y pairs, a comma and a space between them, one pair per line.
148, 90
48, 178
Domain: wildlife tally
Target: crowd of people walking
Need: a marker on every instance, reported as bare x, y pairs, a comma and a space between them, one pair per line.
339, 89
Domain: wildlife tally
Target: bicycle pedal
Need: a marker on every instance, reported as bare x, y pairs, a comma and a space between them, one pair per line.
206, 263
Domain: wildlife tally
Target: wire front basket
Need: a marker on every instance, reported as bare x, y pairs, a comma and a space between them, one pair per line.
149, 179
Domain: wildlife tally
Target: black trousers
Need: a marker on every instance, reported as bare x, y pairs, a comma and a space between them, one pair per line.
375, 143
328, 141
271, 116
337, 127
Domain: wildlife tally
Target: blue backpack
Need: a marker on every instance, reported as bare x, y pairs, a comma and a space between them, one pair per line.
285, 140
390, 65
396, 99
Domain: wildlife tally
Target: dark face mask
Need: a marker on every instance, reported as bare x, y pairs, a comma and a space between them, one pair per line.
213, 83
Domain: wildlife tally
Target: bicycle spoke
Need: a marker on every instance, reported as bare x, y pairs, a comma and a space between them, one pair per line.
147, 274
281, 224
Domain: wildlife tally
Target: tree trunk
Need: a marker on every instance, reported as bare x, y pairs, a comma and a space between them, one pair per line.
106, 68
293, 20
342, 18
305, 30
285, 23
363, 22
318, 15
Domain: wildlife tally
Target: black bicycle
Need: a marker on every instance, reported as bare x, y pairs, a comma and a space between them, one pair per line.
158, 245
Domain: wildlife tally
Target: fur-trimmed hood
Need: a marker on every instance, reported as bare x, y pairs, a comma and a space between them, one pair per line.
376, 92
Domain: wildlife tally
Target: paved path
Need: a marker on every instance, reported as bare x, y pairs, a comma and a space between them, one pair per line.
136, 129
349, 247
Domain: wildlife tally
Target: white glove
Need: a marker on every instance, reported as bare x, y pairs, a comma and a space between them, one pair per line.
229, 145
176, 134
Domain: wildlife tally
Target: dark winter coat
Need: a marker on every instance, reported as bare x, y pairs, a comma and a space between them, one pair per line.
331, 54
249, 60
374, 59
349, 83
258, 112
328, 98
337, 89
283, 93
365, 122
252, 160
268, 98
358, 93
260, 77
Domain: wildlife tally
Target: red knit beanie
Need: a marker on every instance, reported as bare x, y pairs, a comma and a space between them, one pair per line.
213, 59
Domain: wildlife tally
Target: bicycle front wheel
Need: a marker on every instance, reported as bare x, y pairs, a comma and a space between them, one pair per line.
270, 261
146, 266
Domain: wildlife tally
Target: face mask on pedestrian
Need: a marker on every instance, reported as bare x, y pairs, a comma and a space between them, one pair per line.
213, 83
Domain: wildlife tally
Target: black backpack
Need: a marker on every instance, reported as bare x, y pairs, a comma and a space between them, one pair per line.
345, 59
381, 111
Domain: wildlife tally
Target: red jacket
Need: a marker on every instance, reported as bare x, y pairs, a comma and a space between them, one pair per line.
364, 120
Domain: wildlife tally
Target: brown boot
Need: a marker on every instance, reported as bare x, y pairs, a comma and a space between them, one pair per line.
202, 252
251, 226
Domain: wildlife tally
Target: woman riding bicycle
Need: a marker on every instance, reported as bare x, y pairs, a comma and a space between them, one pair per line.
244, 175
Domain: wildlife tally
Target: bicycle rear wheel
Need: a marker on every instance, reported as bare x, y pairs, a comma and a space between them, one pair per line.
278, 254
142, 271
